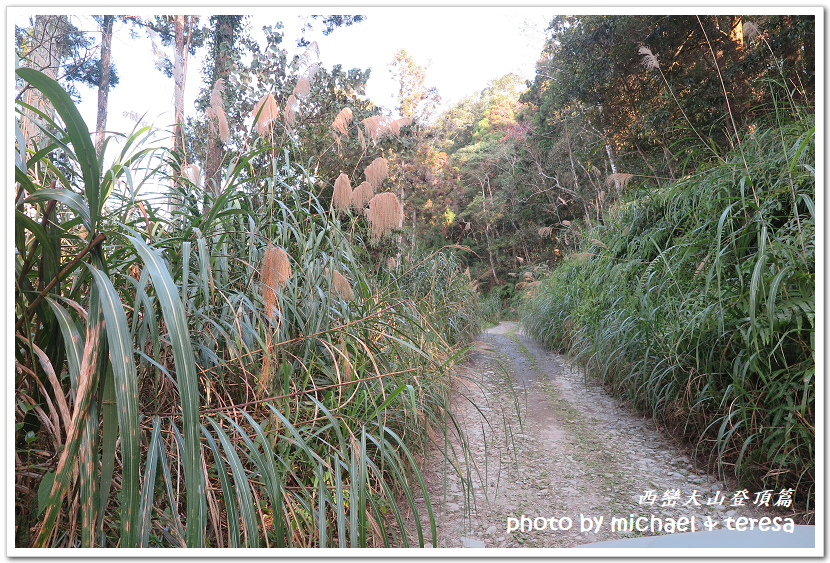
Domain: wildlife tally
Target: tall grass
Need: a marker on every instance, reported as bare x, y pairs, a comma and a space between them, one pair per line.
696, 303
170, 393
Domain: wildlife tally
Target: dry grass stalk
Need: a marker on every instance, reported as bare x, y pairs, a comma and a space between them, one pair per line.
276, 269
384, 214
265, 112
217, 93
377, 172
545, 231
290, 112
302, 88
311, 71
341, 286
622, 179
267, 364
750, 30
342, 198
192, 173
362, 195
216, 111
379, 126
312, 52
649, 61
224, 130
341, 122
346, 368
702, 265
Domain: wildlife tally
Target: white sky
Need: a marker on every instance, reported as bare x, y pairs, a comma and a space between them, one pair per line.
462, 48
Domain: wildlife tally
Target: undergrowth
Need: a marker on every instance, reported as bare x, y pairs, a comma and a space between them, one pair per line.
180, 382
696, 302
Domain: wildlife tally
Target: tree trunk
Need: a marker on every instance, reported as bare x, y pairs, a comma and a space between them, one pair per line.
47, 41
178, 80
490, 253
610, 152
487, 226
576, 178
224, 28
104, 82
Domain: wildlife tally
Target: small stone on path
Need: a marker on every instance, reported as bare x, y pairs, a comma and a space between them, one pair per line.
470, 542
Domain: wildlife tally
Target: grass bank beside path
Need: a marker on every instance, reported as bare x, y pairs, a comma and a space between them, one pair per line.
695, 302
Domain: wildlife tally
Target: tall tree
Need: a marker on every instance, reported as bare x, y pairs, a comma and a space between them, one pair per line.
45, 48
415, 98
184, 34
223, 53
54, 45
104, 81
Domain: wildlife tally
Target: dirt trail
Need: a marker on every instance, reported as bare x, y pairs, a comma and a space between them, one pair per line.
544, 444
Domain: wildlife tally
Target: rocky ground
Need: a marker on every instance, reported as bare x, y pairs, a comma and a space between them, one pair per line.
544, 444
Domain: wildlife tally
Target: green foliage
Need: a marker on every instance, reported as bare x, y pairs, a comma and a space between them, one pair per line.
696, 302
74, 49
144, 341
270, 70
582, 134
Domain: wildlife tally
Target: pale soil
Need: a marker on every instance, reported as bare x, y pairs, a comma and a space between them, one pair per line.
544, 443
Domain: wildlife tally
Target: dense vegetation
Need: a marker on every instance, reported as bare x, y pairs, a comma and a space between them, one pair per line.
523, 163
691, 288
251, 369
229, 342
695, 302
669, 192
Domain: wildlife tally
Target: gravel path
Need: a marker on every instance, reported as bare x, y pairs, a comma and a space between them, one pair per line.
544, 445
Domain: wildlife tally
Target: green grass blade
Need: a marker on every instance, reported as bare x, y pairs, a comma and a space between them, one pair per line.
321, 507
241, 487
149, 486
168, 483
187, 382
72, 200
78, 135
71, 339
231, 512
126, 396
87, 384
109, 437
